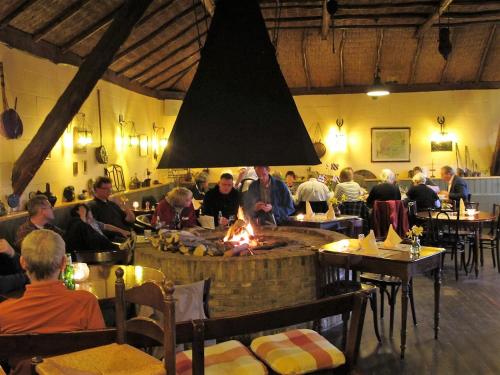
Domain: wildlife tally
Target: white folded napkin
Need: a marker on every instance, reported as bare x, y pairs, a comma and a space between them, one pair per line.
392, 239
461, 210
369, 243
309, 210
330, 214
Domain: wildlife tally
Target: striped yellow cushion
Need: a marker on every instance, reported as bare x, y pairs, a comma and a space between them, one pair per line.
226, 358
299, 351
110, 359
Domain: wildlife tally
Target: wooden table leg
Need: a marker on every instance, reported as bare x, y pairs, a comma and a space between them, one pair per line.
404, 314
437, 290
477, 239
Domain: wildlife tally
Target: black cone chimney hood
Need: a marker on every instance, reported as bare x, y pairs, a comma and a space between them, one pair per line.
238, 109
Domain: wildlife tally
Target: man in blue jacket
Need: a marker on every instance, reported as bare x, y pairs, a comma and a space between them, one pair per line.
457, 187
268, 199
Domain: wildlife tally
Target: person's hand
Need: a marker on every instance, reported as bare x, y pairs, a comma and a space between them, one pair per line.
125, 233
267, 207
259, 206
223, 221
443, 194
5, 248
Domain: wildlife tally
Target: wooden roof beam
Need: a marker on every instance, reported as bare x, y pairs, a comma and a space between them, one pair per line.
179, 73
341, 57
305, 64
87, 33
75, 94
58, 20
173, 65
486, 50
156, 32
209, 6
16, 12
325, 21
444, 4
414, 63
168, 56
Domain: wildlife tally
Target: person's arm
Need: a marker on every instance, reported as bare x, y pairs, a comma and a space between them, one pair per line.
285, 207
112, 228
16, 281
94, 315
191, 222
250, 199
208, 205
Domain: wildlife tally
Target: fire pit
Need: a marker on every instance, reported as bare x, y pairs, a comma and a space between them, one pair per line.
281, 272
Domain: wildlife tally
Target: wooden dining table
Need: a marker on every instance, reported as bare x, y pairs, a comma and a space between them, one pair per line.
473, 221
353, 224
391, 262
101, 280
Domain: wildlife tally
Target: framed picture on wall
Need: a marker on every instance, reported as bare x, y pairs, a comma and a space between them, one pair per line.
390, 145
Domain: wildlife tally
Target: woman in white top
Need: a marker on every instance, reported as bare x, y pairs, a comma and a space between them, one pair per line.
348, 187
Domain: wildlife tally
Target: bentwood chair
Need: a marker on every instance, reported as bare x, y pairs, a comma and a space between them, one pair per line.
491, 240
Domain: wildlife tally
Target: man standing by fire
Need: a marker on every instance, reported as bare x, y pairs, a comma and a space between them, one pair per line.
268, 200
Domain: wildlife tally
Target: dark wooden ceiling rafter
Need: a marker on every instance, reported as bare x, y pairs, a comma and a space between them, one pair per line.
171, 66
66, 14
486, 50
183, 47
380, 42
16, 12
414, 63
181, 76
185, 70
305, 63
160, 47
87, 33
341, 57
156, 32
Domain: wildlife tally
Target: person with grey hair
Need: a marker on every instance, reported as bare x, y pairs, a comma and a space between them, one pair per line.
176, 210
40, 214
385, 191
457, 187
47, 306
200, 186
422, 194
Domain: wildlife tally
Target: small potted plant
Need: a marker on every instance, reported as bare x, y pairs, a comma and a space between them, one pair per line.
337, 202
414, 236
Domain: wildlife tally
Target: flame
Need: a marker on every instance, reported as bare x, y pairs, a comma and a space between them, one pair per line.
240, 215
241, 235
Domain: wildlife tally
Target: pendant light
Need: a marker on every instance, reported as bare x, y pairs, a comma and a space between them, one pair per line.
378, 88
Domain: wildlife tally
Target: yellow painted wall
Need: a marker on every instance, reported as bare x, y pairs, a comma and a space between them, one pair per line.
473, 116
38, 84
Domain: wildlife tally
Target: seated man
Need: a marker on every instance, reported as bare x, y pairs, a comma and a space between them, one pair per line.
86, 234
40, 214
290, 178
313, 191
12, 276
422, 194
223, 198
268, 200
47, 306
457, 187
108, 211
428, 181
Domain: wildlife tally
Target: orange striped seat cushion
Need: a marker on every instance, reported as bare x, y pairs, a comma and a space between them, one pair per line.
226, 358
299, 351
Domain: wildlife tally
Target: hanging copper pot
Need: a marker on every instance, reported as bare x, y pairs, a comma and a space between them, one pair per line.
320, 149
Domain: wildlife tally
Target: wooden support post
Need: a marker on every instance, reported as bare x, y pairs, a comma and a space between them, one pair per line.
325, 21
341, 57
495, 162
305, 63
75, 94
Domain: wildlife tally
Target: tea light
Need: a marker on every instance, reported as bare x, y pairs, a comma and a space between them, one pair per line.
300, 217
135, 205
80, 272
470, 211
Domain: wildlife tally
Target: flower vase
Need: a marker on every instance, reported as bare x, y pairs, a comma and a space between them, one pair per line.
415, 247
337, 210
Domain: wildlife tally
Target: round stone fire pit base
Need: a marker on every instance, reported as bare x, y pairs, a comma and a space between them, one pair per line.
275, 278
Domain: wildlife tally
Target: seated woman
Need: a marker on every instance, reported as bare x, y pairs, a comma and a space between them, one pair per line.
347, 187
84, 233
176, 210
387, 190
421, 193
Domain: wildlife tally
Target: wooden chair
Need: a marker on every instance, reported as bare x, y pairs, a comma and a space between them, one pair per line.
199, 331
330, 283
491, 240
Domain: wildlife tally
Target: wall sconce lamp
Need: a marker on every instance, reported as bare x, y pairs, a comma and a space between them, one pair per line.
133, 138
337, 140
82, 134
160, 140
442, 141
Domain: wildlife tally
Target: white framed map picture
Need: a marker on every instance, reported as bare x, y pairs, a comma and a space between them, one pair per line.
391, 144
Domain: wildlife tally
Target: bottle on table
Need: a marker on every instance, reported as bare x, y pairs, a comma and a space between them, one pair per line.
219, 218
177, 221
69, 273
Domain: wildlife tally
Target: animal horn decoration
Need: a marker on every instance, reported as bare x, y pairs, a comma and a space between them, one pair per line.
441, 120
340, 122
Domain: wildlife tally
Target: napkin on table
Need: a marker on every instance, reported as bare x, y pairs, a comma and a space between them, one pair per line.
461, 211
330, 214
369, 243
309, 211
392, 239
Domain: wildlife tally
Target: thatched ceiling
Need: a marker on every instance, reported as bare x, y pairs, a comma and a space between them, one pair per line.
161, 55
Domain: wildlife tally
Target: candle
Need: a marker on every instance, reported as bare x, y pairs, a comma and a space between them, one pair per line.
135, 205
300, 217
80, 272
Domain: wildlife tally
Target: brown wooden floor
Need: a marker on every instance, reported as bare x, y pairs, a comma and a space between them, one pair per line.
469, 340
